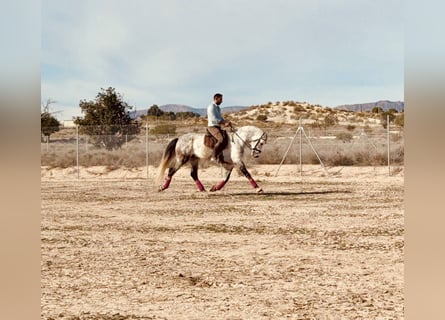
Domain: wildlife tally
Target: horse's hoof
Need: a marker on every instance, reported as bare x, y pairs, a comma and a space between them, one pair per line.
259, 190
160, 189
213, 189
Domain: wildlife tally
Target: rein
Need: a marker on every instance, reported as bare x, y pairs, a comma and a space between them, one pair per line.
263, 136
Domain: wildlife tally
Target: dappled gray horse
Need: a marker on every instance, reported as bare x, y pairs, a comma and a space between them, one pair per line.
190, 147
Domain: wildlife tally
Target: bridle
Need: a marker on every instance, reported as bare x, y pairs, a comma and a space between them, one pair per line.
253, 149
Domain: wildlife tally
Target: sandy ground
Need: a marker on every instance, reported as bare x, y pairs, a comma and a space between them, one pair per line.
315, 246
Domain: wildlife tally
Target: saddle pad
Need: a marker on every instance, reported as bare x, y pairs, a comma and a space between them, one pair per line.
210, 141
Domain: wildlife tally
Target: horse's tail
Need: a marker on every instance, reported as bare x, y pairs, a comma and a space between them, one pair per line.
168, 155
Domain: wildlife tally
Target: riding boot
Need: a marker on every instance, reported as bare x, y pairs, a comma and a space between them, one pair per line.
220, 158
218, 154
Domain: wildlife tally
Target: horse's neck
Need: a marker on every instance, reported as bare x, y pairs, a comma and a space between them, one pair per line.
248, 132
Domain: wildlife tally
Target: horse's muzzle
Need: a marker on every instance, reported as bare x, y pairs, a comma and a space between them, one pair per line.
256, 153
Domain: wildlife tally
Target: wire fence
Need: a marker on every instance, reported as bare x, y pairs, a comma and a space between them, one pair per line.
121, 146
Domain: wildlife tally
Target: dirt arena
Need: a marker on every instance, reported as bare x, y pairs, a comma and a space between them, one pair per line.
309, 247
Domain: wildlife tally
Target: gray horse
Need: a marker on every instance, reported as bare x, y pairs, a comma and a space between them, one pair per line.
191, 147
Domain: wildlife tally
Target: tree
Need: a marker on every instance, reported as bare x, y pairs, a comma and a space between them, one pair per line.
48, 123
107, 120
384, 118
392, 110
154, 110
377, 110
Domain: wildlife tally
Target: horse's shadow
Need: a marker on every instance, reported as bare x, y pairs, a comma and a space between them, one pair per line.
280, 193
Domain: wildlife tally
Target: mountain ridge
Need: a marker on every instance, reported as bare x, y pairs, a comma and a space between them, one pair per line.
185, 108
365, 107
358, 107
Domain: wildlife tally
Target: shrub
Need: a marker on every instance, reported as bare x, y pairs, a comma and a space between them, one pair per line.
344, 136
363, 158
380, 159
398, 156
164, 129
261, 117
400, 120
340, 160
299, 108
367, 129
330, 120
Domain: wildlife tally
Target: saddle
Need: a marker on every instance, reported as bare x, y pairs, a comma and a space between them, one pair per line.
210, 141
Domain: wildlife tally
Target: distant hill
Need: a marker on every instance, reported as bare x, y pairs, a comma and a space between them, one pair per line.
201, 111
184, 108
136, 114
232, 109
278, 112
179, 108
167, 108
364, 107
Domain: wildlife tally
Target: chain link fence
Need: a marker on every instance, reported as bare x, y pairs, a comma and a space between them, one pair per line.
80, 147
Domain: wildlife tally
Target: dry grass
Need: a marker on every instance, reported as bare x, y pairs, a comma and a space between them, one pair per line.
130, 156
343, 145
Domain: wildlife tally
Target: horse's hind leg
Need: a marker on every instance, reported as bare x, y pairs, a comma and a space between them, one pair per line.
166, 184
194, 173
171, 172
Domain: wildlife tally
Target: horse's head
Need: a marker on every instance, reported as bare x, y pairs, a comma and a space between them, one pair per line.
249, 137
257, 142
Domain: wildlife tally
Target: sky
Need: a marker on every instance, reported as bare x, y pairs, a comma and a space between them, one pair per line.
327, 52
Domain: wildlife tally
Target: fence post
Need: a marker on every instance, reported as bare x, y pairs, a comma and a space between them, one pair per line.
301, 150
146, 148
77, 150
388, 143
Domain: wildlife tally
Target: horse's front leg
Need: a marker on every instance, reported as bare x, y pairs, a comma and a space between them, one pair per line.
246, 173
223, 182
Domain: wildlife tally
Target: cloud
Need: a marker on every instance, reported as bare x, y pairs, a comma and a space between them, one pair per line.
182, 52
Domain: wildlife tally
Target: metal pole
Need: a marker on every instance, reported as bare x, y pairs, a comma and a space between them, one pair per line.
315, 151
301, 151
146, 148
388, 143
77, 150
362, 138
285, 154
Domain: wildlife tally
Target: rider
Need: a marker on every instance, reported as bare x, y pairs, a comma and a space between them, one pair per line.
215, 121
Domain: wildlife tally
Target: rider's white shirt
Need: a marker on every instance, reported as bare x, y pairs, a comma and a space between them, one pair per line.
214, 115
